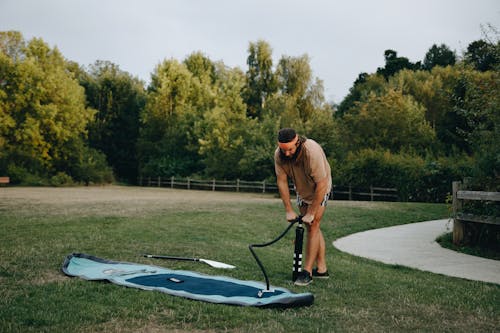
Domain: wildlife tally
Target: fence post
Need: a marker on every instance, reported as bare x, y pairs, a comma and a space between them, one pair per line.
371, 192
189, 183
172, 182
458, 226
159, 181
264, 186
237, 185
213, 184
350, 192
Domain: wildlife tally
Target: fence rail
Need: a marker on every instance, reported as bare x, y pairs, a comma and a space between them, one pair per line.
372, 193
460, 218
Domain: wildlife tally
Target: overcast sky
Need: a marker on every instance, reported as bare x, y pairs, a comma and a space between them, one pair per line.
342, 38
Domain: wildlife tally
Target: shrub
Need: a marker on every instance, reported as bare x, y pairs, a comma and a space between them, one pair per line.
61, 179
380, 168
21, 176
437, 176
92, 168
415, 178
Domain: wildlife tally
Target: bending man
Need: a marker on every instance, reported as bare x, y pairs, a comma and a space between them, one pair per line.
304, 161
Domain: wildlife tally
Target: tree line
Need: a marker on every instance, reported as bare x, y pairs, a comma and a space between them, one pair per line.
413, 126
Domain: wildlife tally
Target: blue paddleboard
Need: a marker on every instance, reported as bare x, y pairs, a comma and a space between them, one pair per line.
192, 285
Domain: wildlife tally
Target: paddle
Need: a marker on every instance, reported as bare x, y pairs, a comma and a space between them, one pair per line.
212, 263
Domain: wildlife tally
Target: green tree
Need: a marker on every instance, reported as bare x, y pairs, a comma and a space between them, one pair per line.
394, 64
439, 56
166, 136
294, 77
43, 107
222, 129
118, 99
363, 87
483, 55
392, 121
257, 161
477, 104
201, 67
432, 89
260, 79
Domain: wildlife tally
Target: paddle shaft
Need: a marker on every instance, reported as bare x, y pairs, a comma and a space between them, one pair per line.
171, 257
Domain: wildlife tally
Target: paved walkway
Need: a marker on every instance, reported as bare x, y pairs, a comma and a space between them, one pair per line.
413, 245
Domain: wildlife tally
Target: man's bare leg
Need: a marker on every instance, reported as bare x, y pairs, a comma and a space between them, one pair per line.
315, 247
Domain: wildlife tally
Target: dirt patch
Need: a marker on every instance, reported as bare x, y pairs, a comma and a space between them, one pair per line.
117, 200
49, 277
132, 201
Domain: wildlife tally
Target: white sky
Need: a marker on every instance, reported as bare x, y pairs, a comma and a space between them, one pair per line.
342, 38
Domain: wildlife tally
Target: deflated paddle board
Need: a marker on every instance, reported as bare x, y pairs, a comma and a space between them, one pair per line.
192, 285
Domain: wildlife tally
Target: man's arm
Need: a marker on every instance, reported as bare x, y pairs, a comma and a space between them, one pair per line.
282, 182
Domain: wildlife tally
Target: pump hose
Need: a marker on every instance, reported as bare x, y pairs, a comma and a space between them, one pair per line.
251, 246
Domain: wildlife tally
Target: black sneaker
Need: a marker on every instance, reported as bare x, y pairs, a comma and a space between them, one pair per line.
324, 275
303, 279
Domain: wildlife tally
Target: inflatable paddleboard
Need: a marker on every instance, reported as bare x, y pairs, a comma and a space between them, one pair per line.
192, 285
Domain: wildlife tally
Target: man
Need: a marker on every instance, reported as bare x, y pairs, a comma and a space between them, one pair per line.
304, 161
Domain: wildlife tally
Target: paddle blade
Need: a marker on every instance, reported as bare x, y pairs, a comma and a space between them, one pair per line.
217, 264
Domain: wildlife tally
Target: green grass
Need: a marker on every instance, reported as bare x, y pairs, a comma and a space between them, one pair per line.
360, 296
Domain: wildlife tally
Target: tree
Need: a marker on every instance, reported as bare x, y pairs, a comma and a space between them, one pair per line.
391, 121
260, 80
294, 77
394, 64
483, 55
439, 56
432, 89
364, 86
43, 107
222, 129
166, 136
257, 161
476, 107
12, 45
201, 67
118, 99
485, 138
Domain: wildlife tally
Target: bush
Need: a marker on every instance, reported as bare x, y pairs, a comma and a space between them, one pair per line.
61, 179
92, 168
380, 168
436, 177
483, 236
415, 178
21, 176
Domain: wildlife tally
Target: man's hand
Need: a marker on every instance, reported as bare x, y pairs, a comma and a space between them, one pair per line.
308, 218
291, 216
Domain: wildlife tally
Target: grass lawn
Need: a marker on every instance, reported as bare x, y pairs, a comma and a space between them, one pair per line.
40, 226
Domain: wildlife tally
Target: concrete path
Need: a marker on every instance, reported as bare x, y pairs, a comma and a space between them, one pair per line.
413, 245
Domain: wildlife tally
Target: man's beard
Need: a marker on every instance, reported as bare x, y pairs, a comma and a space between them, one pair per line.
292, 158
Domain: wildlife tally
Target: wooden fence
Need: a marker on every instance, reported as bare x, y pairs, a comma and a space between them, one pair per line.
460, 218
372, 193
338, 192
